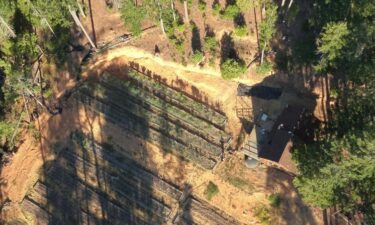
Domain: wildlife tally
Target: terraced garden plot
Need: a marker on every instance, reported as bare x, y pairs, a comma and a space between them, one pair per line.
148, 112
178, 98
94, 184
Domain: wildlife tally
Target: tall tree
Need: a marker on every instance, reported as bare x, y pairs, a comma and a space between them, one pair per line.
268, 27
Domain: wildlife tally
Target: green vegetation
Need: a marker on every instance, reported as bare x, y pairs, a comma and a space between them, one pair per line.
268, 27
264, 69
211, 190
133, 16
240, 31
262, 213
275, 200
210, 43
230, 12
338, 168
197, 57
202, 5
216, 9
232, 69
28, 29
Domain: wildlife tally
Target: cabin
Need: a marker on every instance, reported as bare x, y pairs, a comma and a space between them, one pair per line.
270, 142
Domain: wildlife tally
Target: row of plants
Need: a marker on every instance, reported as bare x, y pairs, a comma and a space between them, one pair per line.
141, 128
176, 98
130, 94
121, 106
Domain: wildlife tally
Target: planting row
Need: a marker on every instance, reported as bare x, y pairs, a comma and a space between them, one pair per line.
116, 101
130, 93
172, 96
170, 140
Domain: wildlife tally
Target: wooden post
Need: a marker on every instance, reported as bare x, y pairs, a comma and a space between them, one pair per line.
262, 57
78, 22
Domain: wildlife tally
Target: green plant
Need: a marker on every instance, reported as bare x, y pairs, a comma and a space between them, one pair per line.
262, 213
264, 68
197, 57
275, 200
210, 43
216, 9
202, 5
240, 31
211, 190
230, 12
232, 69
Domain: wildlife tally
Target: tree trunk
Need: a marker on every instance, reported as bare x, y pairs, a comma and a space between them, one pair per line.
290, 4
282, 3
174, 14
186, 12
162, 26
78, 22
262, 55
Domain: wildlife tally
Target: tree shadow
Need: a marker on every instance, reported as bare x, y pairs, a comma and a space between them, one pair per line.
196, 44
227, 50
239, 20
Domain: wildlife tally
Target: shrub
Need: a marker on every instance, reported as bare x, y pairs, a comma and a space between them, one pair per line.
264, 68
262, 213
216, 9
275, 200
210, 43
231, 69
197, 57
230, 12
202, 5
211, 190
240, 31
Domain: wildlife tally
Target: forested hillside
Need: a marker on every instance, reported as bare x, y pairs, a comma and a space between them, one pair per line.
31, 32
339, 168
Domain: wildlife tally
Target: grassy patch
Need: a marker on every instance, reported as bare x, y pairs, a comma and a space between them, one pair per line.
237, 182
211, 190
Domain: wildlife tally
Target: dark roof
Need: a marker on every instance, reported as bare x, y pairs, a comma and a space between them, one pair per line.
279, 143
274, 148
